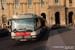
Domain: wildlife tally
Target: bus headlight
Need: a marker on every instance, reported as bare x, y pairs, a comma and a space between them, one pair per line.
33, 33
13, 34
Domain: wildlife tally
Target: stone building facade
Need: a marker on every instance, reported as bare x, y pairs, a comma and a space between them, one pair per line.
60, 12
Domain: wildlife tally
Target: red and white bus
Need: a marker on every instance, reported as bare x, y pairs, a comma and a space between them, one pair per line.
26, 27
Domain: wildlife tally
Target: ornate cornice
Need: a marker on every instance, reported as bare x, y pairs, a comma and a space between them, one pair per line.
23, 3
10, 3
36, 2
7, 3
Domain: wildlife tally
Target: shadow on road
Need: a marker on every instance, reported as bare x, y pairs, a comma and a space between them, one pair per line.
60, 30
45, 36
63, 30
4, 38
36, 45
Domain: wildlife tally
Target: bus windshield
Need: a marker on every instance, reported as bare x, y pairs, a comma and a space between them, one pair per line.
23, 25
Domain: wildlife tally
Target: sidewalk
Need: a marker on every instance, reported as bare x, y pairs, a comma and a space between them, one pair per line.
55, 42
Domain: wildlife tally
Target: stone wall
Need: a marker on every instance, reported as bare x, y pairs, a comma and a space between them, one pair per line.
49, 9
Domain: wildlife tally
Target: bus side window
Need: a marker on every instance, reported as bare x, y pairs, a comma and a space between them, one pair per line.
36, 19
38, 23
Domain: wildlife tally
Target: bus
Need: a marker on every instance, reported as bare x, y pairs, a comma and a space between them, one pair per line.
27, 27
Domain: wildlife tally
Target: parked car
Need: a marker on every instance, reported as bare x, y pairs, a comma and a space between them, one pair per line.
55, 26
4, 32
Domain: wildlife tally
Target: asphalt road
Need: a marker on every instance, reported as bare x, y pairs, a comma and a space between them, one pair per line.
68, 36
7, 44
57, 39
61, 39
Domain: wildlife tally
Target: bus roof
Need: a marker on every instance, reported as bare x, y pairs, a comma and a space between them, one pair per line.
25, 15
22, 16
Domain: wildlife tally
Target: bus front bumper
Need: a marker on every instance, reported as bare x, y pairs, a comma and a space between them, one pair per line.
24, 38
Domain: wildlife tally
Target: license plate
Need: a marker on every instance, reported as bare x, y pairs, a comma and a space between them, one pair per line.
23, 40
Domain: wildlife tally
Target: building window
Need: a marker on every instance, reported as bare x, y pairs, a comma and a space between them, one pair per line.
17, 4
70, 2
29, 3
3, 4
42, 3
56, 3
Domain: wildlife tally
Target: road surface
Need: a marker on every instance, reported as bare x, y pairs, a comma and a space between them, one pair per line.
57, 39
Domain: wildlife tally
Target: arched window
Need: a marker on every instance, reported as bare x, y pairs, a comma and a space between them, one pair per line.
29, 3
56, 3
70, 3
70, 17
17, 4
42, 3
57, 18
3, 4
